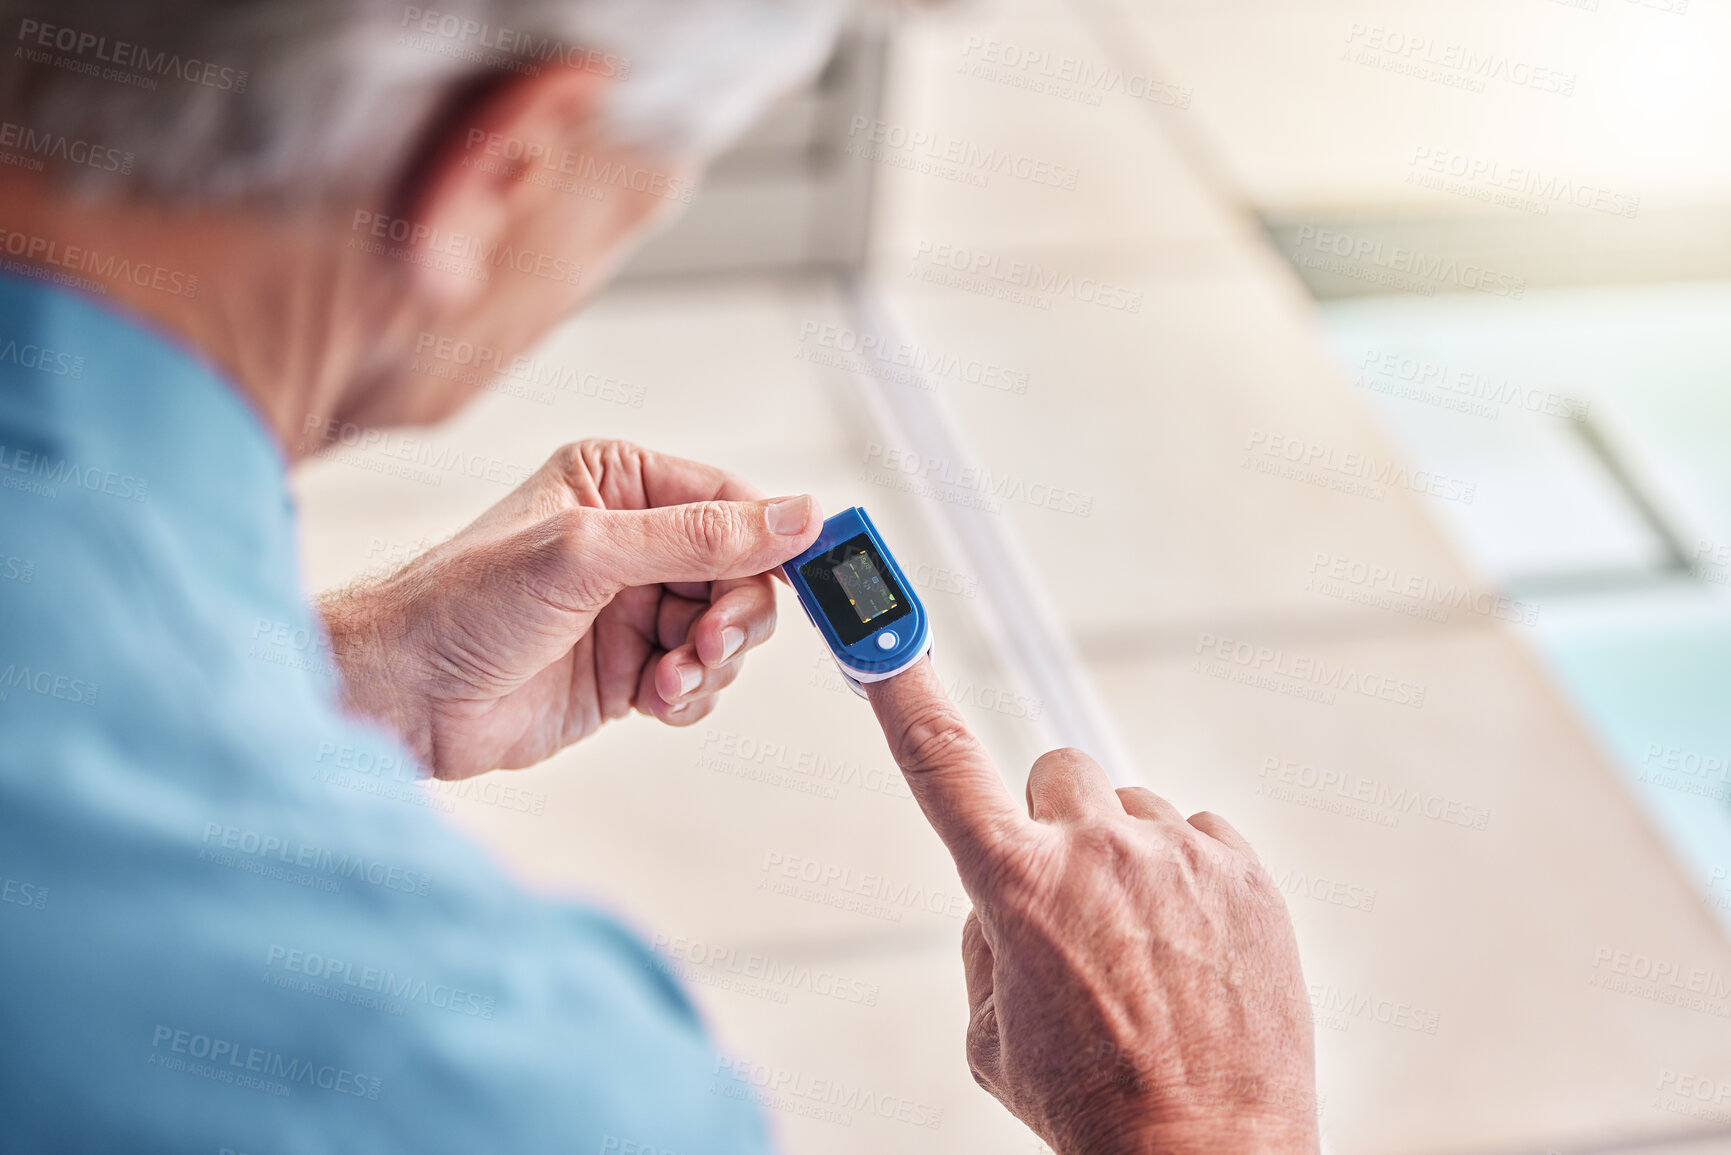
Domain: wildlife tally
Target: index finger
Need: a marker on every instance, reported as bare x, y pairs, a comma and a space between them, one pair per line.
955, 783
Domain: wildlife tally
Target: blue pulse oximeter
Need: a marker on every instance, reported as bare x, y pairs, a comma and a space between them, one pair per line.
860, 601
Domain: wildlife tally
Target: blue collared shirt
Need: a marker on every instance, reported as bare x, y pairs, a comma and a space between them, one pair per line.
219, 929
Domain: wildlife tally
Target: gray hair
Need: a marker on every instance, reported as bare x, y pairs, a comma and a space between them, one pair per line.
288, 99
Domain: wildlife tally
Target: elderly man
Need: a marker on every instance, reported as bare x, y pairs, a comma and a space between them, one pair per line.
226, 227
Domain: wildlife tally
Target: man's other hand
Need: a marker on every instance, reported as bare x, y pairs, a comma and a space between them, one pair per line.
1133, 979
614, 578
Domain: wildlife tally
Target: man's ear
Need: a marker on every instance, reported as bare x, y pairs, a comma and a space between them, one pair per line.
472, 183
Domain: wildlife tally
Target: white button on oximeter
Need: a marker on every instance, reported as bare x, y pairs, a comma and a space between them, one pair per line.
851, 588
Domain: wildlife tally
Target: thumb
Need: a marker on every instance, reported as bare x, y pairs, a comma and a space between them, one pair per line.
698, 542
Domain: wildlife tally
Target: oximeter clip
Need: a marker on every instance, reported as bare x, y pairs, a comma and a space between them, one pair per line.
856, 595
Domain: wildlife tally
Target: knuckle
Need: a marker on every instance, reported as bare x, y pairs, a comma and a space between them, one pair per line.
568, 458
1141, 795
1119, 845
571, 462
1204, 853
1216, 867
982, 1047
935, 737
594, 459
709, 526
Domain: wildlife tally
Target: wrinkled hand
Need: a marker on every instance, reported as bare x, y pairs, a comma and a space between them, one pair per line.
614, 578
1133, 979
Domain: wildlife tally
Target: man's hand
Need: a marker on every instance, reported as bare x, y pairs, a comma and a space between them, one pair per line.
1133, 980
613, 578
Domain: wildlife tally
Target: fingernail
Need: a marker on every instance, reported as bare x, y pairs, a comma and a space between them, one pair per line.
689, 676
731, 639
789, 515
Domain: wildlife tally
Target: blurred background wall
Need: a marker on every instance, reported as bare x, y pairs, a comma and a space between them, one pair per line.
1318, 411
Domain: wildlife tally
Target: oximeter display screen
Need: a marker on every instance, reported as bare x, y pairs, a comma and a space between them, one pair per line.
855, 589
864, 586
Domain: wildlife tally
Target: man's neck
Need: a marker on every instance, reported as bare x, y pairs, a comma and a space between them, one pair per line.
289, 343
